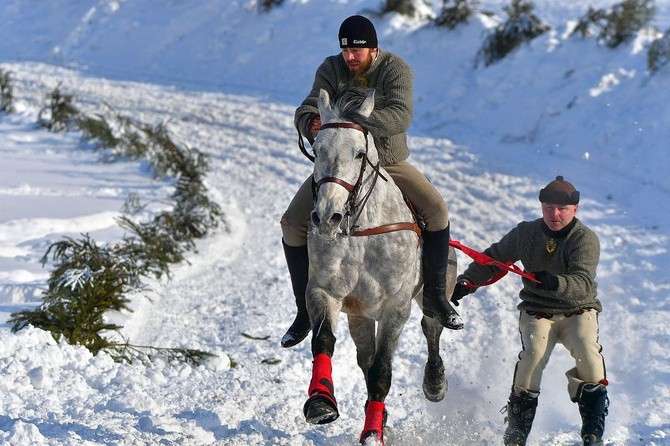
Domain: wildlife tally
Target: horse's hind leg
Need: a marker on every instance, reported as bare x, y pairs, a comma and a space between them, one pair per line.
362, 331
380, 373
434, 381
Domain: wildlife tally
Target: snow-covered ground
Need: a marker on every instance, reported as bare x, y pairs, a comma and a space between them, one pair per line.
227, 79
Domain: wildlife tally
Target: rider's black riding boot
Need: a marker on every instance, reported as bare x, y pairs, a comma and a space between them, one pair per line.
434, 262
520, 415
593, 403
298, 267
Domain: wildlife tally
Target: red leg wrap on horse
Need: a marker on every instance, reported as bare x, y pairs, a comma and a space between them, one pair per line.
322, 377
374, 421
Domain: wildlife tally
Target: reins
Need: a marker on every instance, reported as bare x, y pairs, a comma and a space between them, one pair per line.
301, 144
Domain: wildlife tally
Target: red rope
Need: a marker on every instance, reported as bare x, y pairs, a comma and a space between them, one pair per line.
483, 259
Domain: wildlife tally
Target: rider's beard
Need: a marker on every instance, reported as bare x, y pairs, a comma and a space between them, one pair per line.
363, 66
359, 72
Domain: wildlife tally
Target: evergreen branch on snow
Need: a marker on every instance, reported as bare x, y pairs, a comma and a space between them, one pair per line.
90, 280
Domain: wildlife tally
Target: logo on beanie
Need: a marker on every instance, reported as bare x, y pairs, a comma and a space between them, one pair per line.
343, 42
359, 42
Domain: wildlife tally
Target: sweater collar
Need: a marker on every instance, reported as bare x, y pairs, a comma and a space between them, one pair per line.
561, 233
374, 63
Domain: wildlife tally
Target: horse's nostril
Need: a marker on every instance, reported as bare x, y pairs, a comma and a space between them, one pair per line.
315, 219
336, 218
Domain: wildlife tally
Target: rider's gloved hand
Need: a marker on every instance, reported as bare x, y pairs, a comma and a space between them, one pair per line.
314, 124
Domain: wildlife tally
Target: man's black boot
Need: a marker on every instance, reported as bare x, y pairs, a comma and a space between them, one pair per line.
298, 267
593, 404
435, 260
520, 415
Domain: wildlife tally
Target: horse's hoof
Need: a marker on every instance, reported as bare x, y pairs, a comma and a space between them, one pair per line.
375, 423
372, 438
320, 409
434, 382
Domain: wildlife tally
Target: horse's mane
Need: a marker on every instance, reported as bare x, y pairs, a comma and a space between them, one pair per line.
348, 102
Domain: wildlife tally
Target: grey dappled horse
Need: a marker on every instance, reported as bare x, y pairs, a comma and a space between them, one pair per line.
364, 260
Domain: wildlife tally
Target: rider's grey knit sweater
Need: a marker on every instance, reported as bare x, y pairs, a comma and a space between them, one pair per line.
392, 80
574, 261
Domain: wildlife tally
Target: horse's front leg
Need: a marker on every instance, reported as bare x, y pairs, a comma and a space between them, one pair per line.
321, 406
434, 381
380, 372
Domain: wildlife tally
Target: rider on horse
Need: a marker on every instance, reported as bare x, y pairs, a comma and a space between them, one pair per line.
362, 63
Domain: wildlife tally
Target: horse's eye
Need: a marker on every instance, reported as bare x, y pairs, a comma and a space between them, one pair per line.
360, 155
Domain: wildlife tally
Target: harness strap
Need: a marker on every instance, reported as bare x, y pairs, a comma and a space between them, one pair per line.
301, 144
493, 280
332, 125
348, 186
389, 228
483, 259
344, 125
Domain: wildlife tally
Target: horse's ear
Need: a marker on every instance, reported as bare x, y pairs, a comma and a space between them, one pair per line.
368, 104
324, 105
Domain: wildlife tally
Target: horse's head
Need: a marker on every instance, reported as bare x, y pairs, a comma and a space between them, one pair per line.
343, 149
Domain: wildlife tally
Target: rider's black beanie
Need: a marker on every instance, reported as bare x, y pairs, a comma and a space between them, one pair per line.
357, 32
559, 191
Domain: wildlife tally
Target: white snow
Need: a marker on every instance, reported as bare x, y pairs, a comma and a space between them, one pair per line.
226, 80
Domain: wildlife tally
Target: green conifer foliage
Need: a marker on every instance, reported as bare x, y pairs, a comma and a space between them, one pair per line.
267, 5
6, 92
404, 7
89, 280
521, 26
658, 54
453, 15
618, 25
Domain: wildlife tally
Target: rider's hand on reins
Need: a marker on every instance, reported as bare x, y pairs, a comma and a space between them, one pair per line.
315, 125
